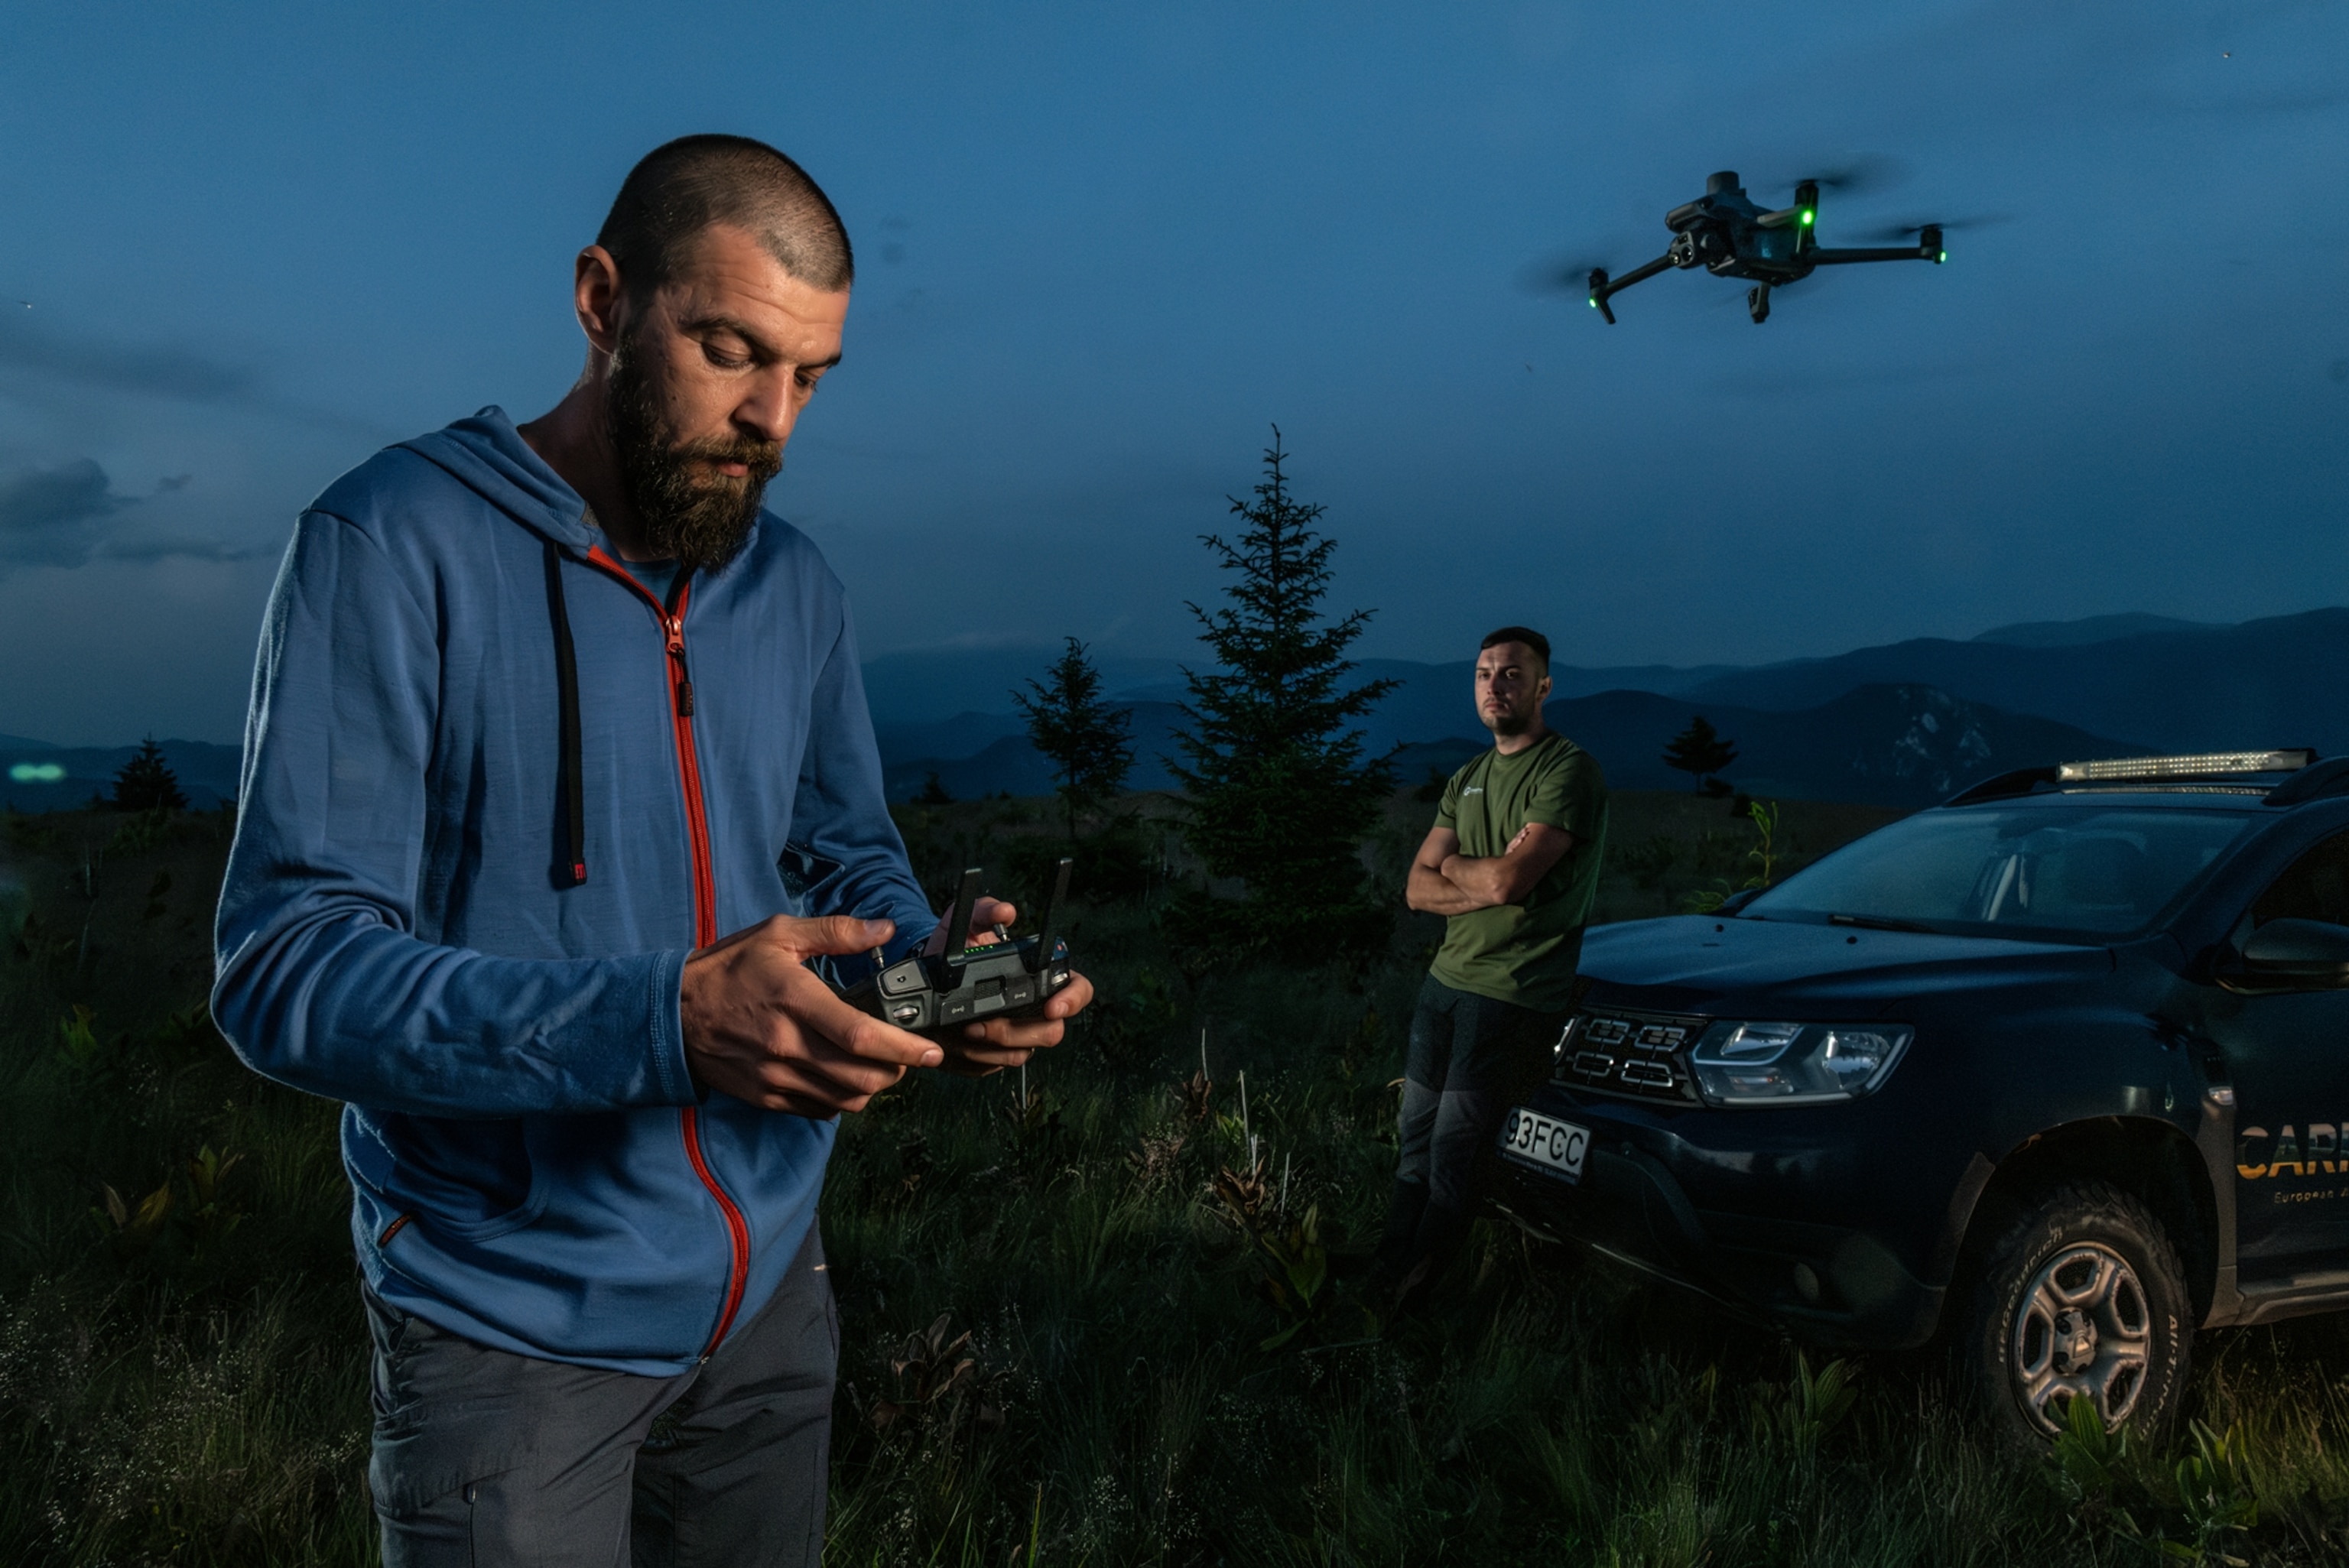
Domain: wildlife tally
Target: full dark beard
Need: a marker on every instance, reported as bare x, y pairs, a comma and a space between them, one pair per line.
687, 510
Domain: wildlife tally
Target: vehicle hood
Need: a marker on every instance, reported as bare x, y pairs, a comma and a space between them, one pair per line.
1702, 962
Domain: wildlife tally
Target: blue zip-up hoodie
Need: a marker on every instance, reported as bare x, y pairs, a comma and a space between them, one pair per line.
401, 928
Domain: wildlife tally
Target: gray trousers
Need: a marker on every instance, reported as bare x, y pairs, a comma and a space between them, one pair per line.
482, 1457
1471, 1059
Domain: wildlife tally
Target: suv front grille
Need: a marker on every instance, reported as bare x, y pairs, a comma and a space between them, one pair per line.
1641, 1056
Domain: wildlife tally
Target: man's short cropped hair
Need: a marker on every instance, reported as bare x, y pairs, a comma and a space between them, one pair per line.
683, 187
1525, 634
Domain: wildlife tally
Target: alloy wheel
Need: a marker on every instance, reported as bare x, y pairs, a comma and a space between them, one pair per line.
2081, 1331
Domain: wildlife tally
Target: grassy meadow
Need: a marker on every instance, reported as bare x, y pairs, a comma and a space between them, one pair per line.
1166, 1361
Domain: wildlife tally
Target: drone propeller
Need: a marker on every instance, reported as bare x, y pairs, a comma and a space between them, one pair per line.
1892, 233
1867, 171
1556, 275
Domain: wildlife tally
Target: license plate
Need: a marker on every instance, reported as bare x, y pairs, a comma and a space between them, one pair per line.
1545, 1141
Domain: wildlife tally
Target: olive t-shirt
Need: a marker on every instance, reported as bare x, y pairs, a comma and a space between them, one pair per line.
1525, 952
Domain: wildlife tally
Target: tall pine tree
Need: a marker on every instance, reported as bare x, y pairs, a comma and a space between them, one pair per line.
146, 782
1280, 793
1084, 736
1700, 751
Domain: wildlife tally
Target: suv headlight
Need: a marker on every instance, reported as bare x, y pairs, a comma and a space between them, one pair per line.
1740, 1064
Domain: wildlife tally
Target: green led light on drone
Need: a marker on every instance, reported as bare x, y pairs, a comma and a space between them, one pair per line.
1592, 304
1809, 217
1941, 257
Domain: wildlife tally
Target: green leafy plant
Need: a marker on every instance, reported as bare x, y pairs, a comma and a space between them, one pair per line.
1809, 1407
1198, 1097
210, 1215
2090, 1460
187, 1034
1289, 1253
77, 1040
941, 1390
1764, 856
1244, 1194
1033, 1120
133, 1228
1296, 1270
206, 1217
2215, 1495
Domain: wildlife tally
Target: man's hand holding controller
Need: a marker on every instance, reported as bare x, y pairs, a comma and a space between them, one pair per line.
760, 1025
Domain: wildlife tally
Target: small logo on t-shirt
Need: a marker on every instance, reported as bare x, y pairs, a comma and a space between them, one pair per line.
1473, 790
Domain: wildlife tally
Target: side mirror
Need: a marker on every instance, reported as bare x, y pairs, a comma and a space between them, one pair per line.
2311, 952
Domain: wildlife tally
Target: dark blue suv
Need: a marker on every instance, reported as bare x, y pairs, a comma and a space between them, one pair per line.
2057, 1071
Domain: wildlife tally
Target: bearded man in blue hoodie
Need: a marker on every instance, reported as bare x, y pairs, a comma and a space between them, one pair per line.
542, 714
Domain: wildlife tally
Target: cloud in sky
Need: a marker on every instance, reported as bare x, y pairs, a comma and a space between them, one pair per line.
157, 370
67, 516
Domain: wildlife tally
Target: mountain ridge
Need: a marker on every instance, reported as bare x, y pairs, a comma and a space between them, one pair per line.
1884, 745
2155, 682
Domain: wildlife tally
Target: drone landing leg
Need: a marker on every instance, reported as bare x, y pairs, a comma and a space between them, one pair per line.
1757, 301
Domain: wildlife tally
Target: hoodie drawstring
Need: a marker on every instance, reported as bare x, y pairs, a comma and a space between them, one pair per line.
570, 789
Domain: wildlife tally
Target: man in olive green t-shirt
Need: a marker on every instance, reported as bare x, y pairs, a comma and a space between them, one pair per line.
1512, 862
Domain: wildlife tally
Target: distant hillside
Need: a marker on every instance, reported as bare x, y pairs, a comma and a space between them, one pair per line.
38, 776
1883, 745
2161, 683
910, 754
1880, 745
2089, 629
1884, 725
914, 692
2283, 681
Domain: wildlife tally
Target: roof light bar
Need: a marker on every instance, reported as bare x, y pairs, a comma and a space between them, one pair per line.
2204, 765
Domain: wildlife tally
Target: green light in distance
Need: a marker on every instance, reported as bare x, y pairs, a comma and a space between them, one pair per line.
1591, 302
1940, 257
36, 772
1809, 217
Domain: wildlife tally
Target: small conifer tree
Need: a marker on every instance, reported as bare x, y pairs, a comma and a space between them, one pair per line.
146, 782
1280, 793
1084, 738
1700, 752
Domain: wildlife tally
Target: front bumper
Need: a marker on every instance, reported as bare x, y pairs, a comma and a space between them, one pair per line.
1765, 1231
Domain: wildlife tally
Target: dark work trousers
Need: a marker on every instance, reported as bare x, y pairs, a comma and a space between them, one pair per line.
1471, 1059
484, 1457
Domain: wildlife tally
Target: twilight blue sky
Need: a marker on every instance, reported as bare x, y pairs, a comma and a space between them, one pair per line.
1103, 248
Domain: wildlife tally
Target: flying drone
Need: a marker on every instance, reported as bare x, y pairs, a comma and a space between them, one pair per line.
1728, 234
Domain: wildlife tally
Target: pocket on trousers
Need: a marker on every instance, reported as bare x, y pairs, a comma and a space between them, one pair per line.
433, 1499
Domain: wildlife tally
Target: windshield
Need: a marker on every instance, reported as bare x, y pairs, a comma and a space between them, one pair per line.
2046, 868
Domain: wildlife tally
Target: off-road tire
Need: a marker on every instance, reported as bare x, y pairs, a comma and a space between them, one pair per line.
2079, 1228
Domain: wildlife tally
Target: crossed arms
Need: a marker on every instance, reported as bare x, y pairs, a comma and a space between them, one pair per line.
1445, 881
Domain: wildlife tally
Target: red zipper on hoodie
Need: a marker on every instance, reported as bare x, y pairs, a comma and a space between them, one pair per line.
705, 909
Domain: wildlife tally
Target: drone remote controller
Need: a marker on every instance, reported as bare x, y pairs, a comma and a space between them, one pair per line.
930, 994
